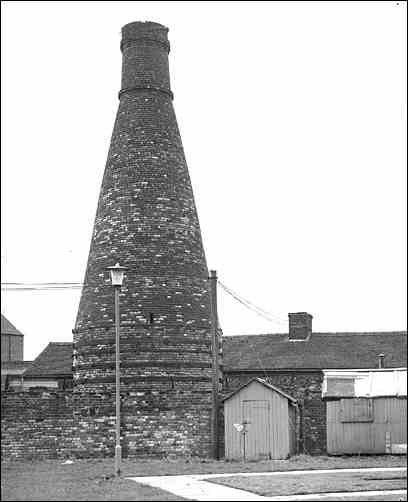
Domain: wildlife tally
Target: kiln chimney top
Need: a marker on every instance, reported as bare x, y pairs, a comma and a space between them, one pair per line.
149, 31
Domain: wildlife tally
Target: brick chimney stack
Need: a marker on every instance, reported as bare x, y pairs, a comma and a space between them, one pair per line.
145, 63
300, 325
146, 220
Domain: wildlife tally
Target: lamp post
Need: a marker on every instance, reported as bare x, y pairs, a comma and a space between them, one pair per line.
117, 273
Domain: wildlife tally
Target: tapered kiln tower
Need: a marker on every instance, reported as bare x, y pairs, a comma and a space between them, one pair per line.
147, 221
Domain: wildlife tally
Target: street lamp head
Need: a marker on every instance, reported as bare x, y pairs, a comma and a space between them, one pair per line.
117, 273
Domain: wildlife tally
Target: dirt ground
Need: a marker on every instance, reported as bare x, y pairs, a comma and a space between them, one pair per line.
52, 480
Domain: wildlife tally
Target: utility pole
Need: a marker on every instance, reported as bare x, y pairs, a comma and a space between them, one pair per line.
215, 365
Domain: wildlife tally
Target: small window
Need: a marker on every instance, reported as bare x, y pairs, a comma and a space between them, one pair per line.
340, 387
356, 410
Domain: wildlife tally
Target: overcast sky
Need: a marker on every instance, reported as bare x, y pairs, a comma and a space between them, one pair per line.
293, 120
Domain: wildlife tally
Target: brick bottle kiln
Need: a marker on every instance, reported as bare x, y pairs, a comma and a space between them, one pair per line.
147, 221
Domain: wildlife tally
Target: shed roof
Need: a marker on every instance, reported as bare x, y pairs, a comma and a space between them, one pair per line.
264, 383
320, 351
360, 383
7, 328
54, 360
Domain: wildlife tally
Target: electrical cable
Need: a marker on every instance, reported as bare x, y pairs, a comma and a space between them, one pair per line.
250, 304
59, 286
257, 310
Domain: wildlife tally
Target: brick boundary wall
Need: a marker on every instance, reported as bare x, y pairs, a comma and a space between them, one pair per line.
37, 425
306, 388
60, 424
45, 424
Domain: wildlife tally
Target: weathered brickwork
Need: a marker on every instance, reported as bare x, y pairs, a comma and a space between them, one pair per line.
44, 424
147, 221
306, 388
36, 424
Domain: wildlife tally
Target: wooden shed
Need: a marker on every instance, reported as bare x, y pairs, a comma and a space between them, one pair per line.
366, 411
260, 422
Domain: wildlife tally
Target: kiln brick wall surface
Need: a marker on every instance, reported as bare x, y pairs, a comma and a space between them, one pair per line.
147, 221
306, 388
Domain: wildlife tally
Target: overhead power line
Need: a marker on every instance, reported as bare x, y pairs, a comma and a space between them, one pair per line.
254, 308
39, 286
40, 283
262, 311
63, 286
71, 288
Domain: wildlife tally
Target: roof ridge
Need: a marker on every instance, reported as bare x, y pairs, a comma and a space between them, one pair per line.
394, 332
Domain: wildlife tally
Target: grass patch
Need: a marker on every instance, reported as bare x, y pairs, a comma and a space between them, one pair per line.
83, 480
93, 480
316, 483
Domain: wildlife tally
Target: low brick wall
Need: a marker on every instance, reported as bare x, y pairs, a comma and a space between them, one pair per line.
306, 388
61, 424
36, 424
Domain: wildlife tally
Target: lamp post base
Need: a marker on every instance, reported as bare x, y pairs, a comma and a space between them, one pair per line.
118, 459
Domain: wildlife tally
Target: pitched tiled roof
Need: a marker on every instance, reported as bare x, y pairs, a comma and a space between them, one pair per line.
7, 328
54, 360
321, 351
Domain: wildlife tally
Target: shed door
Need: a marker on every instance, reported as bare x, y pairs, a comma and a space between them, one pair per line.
256, 413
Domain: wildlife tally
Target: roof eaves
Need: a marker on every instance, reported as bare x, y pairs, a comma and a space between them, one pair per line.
276, 389
45, 376
263, 382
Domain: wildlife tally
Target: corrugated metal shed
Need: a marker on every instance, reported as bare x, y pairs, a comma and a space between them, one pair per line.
260, 422
366, 411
